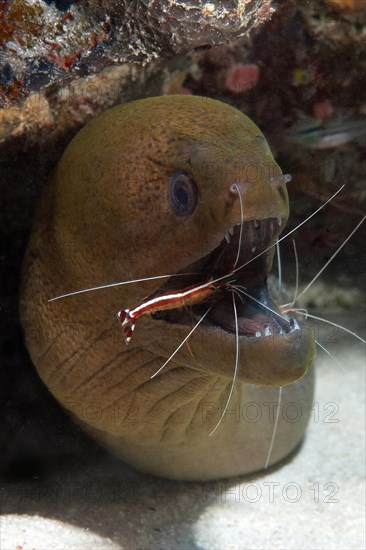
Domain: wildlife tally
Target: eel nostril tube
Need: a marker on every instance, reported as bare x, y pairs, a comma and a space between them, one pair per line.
283, 178
234, 188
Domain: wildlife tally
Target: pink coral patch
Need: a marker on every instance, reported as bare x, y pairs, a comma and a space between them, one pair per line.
241, 77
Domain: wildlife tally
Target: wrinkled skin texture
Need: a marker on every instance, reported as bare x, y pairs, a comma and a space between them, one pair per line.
106, 217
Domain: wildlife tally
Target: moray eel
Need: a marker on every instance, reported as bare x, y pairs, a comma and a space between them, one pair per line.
146, 189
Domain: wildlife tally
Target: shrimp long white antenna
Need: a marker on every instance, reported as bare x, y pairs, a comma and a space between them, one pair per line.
290, 306
234, 187
296, 273
110, 285
326, 321
332, 357
331, 258
274, 427
279, 265
237, 361
181, 344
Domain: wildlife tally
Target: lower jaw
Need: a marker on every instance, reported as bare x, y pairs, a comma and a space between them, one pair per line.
276, 360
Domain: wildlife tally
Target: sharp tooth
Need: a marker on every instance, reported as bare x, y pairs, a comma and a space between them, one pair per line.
227, 237
231, 231
256, 224
294, 324
254, 248
270, 228
279, 221
267, 331
258, 334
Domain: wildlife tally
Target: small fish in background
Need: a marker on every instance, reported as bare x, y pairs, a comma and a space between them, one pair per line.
312, 133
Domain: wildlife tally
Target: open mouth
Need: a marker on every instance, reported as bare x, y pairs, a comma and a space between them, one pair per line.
239, 267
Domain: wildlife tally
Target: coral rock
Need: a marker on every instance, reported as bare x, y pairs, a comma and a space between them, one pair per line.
348, 5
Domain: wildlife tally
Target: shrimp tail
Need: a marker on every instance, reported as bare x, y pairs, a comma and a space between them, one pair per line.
127, 322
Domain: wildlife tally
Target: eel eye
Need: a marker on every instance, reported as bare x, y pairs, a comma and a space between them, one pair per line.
182, 193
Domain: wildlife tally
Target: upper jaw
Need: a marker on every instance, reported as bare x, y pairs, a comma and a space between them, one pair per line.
258, 230
246, 247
